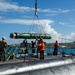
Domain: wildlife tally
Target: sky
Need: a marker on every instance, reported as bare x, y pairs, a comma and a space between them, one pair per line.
55, 17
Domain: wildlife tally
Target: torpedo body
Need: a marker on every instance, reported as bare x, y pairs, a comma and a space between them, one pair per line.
29, 36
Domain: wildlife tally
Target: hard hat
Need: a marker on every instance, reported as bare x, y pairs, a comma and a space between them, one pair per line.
56, 41
41, 40
3, 38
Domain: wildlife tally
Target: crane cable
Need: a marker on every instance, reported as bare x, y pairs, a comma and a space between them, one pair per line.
40, 27
31, 24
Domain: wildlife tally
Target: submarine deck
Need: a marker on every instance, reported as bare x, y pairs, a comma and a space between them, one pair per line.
28, 59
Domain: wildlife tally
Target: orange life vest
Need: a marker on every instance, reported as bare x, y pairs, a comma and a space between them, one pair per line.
56, 45
42, 46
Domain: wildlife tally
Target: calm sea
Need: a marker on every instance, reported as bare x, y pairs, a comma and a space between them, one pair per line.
48, 50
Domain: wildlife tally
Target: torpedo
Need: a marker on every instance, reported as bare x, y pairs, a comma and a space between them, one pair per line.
29, 36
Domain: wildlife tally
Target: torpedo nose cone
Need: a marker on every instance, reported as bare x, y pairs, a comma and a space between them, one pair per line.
12, 35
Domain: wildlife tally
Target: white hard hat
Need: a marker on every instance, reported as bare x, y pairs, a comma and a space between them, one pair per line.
3, 38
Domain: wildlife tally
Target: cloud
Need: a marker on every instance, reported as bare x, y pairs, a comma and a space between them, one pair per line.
51, 14
68, 24
16, 21
7, 6
62, 23
23, 21
45, 26
55, 10
71, 37
11, 6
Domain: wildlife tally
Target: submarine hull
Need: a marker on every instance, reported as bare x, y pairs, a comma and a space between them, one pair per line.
59, 66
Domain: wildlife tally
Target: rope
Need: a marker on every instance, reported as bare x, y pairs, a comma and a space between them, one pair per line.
40, 27
31, 24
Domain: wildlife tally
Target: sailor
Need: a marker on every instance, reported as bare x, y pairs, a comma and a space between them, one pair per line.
3, 45
56, 45
42, 48
38, 48
25, 45
33, 46
25, 42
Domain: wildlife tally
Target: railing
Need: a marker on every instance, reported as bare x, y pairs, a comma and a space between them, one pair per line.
10, 52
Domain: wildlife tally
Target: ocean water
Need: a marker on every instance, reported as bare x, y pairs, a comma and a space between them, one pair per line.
65, 50
48, 50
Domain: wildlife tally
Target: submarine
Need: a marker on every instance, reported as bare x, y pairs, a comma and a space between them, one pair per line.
49, 66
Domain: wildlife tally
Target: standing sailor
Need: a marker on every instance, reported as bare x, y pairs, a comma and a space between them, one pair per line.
56, 45
42, 48
3, 45
33, 46
26, 46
